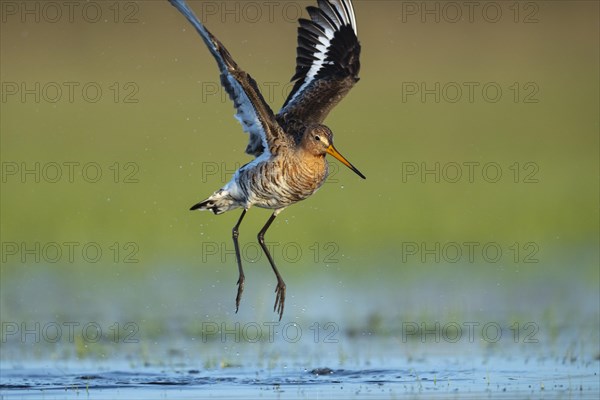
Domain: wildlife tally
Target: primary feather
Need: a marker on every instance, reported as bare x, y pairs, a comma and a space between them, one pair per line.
327, 63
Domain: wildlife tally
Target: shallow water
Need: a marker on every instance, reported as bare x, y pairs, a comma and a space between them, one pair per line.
365, 366
334, 342
495, 377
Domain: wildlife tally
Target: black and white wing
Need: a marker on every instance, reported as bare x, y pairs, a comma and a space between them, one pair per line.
253, 112
327, 62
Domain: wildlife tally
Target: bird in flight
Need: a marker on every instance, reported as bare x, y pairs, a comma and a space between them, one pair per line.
290, 146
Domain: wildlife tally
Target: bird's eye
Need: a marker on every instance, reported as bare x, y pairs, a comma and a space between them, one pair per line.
317, 138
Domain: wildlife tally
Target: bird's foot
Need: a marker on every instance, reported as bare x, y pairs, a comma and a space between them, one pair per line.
240, 284
279, 298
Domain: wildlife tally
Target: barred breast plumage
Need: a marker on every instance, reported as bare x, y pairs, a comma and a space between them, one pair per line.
281, 181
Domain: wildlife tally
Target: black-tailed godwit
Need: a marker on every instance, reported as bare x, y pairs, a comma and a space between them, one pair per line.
289, 147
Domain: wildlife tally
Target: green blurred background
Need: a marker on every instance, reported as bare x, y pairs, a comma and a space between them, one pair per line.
177, 130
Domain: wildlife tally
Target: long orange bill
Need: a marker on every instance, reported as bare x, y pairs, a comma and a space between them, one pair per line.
332, 150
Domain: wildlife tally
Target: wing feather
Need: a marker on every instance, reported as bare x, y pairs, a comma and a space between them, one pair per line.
327, 62
252, 111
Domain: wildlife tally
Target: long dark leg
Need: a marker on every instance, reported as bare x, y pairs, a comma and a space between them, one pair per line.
280, 289
240, 282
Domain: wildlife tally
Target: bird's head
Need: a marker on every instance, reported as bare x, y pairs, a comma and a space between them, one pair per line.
318, 141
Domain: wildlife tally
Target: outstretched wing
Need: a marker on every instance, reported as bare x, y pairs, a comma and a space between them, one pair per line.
327, 63
253, 112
